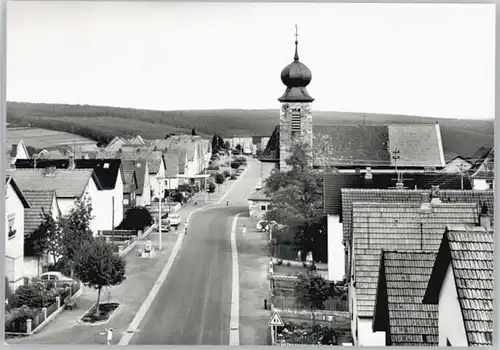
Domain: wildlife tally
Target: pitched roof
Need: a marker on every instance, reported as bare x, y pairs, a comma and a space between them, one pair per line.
10, 180
470, 253
334, 181
184, 142
397, 226
487, 167
260, 195
139, 169
419, 145
130, 182
41, 201
172, 164
402, 281
106, 170
478, 157
350, 196
154, 158
181, 155
66, 183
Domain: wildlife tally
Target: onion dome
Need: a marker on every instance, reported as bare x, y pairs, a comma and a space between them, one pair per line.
296, 76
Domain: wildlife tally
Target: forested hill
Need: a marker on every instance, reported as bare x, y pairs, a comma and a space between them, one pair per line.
102, 123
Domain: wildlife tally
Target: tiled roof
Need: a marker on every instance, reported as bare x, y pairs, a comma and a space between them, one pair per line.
184, 142
272, 151
66, 183
107, 174
154, 159
470, 252
397, 226
334, 181
371, 145
402, 283
477, 158
181, 155
171, 164
138, 167
260, 195
130, 181
33, 215
350, 195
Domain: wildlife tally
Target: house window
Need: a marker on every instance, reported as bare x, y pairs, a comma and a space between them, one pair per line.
296, 121
263, 208
490, 184
125, 201
12, 226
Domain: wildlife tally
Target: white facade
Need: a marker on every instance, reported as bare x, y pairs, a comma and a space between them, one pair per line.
14, 245
451, 324
21, 151
155, 183
110, 203
336, 251
483, 184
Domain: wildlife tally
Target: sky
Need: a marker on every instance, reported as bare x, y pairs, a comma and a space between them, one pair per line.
435, 60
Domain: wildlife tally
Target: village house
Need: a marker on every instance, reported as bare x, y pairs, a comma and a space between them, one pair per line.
379, 225
461, 287
455, 163
399, 312
179, 157
172, 170
130, 186
142, 194
42, 202
337, 199
115, 144
15, 205
18, 151
483, 178
70, 186
110, 175
258, 204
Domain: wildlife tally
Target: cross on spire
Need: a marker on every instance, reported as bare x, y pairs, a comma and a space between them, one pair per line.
296, 57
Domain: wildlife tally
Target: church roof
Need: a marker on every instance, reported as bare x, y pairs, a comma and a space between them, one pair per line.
419, 146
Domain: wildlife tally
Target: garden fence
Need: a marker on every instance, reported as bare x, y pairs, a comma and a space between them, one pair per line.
290, 302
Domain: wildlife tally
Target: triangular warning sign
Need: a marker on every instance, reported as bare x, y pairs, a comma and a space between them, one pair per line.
276, 320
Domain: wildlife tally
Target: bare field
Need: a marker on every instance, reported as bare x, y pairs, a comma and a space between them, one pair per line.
41, 138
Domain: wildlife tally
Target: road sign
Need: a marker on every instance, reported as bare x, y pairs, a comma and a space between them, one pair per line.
276, 320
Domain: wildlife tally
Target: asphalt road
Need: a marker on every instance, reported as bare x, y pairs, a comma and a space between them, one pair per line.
193, 305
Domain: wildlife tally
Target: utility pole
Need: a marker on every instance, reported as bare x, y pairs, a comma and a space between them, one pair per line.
159, 216
462, 170
113, 219
395, 156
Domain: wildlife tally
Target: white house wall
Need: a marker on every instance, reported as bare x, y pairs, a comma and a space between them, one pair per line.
451, 324
14, 247
480, 184
255, 209
336, 252
118, 193
454, 165
366, 335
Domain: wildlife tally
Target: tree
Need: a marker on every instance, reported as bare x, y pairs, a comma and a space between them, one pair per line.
239, 148
296, 198
219, 178
312, 290
75, 227
136, 218
227, 145
215, 144
193, 132
97, 266
46, 239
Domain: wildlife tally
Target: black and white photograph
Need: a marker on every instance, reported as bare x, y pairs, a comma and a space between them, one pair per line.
253, 173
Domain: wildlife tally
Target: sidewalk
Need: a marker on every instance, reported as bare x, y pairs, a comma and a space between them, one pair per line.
141, 275
254, 284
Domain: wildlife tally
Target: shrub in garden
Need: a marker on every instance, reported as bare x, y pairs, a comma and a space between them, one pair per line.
136, 218
213, 167
219, 178
211, 187
235, 165
226, 173
18, 316
29, 295
233, 177
185, 188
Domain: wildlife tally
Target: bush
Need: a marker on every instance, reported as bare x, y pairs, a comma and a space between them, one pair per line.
211, 187
235, 165
136, 218
233, 177
219, 178
16, 319
29, 295
226, 173
213, 167
185, 188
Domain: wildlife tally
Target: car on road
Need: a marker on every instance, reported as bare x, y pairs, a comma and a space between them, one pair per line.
174, 219
165, 225
57, 278
266, 225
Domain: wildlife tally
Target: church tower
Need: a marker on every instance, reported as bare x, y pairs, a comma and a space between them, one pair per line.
296, 104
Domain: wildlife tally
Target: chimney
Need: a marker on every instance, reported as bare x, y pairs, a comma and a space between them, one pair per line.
71, 165
426, 205
485, 222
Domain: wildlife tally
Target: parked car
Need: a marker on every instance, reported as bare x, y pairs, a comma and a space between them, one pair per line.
57, 278
165, 225
175, 219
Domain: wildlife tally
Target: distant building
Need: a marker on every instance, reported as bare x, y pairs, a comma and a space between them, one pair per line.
258, 204
484, 177
456, 163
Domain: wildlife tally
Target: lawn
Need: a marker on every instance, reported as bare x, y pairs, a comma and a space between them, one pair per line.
41, 138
